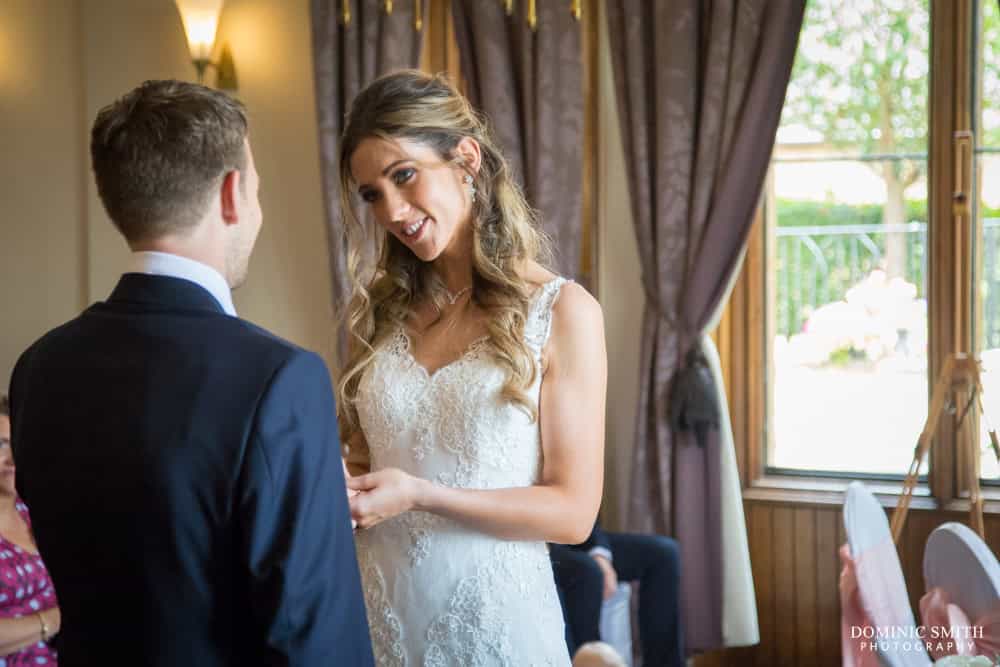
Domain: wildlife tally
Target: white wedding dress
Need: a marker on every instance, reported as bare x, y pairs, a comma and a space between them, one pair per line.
438, 593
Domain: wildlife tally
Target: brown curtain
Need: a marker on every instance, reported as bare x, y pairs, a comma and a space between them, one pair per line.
529, 83
348, 54
700, 87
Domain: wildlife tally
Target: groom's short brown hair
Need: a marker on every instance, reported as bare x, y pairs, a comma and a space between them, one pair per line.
161, 151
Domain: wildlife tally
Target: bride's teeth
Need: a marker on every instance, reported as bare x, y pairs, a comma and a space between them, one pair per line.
412, 229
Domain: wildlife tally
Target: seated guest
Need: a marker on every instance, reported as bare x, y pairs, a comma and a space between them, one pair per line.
29, 612
588, 573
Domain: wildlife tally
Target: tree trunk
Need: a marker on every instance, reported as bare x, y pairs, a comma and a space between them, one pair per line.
894, 214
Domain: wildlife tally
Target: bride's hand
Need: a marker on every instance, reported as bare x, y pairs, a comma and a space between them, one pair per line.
385, 494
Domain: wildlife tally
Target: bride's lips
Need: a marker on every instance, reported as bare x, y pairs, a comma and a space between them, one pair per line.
420, 227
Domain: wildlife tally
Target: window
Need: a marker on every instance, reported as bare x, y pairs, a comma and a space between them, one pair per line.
847, 233
986, 167
866, 270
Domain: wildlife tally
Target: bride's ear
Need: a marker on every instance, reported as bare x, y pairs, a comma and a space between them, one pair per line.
469, 154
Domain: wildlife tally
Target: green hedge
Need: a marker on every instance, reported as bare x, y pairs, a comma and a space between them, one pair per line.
794, 213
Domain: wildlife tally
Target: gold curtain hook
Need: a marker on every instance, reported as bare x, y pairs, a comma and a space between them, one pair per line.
532, 15
418, 21
576, 8
508, 6
388, 6
345, 9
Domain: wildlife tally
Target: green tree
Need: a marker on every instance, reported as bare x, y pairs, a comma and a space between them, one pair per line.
860, 80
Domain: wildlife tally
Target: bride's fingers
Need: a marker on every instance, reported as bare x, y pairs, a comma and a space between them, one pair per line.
362, 482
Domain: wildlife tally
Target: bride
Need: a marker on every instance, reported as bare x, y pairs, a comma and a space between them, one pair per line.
473, 403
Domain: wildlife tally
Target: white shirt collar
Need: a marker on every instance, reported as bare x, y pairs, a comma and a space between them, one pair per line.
175, 266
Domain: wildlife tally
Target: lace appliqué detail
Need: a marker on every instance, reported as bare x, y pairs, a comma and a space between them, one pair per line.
424, 442
422, 527
475, 631
386, 632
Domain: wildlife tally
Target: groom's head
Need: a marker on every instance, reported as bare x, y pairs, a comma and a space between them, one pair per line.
174, 169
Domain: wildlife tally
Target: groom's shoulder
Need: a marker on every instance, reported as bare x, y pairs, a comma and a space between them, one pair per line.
249, 338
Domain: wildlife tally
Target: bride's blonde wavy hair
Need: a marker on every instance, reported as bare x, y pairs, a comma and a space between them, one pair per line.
427, 109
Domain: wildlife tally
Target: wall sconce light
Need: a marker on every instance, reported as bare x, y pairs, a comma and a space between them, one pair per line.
201, 20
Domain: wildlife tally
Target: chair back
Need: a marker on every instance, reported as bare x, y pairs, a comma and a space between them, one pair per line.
874, 603
961, 608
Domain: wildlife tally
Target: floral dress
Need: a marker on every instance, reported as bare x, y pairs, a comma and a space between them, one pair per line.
25, 588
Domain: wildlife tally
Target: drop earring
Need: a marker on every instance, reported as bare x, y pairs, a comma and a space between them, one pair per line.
469, 185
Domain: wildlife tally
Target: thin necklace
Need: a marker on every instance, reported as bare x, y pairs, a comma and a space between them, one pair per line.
452, 298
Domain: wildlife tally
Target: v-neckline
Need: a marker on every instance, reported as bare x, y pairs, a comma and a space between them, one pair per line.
471, 348
30, 551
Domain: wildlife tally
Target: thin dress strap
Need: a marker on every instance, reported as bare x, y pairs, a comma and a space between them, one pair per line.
540, 317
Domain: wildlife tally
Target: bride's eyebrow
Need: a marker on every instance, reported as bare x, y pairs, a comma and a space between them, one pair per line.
385, 172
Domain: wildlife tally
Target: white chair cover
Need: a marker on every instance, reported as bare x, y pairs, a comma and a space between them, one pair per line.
616, 622
880, 583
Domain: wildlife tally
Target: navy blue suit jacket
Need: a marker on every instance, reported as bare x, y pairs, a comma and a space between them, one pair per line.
184, 479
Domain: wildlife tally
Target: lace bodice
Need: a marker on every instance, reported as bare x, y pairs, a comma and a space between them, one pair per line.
437, 593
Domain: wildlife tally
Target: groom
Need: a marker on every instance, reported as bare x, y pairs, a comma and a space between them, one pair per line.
182, 465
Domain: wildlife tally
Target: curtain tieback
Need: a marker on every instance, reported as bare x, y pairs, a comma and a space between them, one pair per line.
693, 397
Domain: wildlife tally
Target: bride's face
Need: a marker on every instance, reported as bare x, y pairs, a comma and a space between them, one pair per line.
414, 194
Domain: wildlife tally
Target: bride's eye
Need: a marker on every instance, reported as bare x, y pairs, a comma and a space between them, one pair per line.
369, 196
403, 175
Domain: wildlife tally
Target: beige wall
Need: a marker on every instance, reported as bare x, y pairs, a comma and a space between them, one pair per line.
60, 61
41, 187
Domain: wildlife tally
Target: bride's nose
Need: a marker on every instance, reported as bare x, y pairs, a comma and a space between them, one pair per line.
396, 207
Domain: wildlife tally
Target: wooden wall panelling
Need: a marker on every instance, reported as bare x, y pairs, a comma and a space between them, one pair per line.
804, 586
761, 538
782, 578
827, 591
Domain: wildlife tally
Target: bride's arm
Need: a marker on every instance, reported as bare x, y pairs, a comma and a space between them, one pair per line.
564, 503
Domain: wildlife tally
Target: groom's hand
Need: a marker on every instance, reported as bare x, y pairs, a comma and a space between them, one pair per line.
350, 492
347, 477
382, 495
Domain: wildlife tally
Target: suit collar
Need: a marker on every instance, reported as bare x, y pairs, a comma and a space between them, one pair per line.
164, 291
157, 263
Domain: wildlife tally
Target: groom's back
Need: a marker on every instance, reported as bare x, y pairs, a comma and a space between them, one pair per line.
132, 426
183, 467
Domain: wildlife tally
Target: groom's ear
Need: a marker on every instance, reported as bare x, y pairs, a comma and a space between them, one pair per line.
230, 197
469, 153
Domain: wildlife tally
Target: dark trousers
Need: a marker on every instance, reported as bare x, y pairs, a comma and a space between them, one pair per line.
653, 561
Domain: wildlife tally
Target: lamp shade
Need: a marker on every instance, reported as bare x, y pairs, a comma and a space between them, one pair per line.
201, 19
